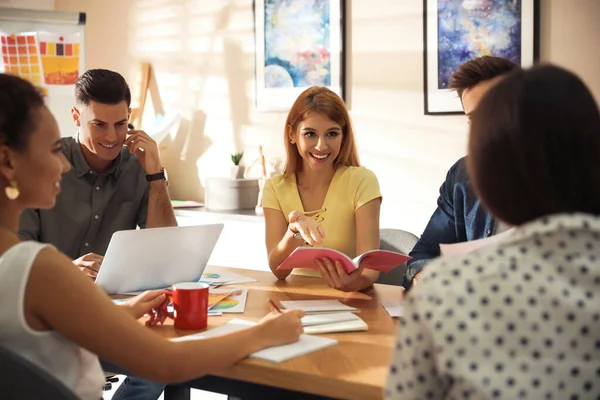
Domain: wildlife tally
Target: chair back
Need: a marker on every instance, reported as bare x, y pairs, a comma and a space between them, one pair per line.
401, 242
21, 379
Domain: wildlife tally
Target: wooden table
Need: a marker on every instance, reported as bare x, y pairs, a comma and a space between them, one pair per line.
356, 368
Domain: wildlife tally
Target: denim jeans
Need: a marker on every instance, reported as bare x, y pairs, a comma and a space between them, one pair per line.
134, 388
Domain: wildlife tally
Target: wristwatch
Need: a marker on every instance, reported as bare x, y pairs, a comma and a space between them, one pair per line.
158, 176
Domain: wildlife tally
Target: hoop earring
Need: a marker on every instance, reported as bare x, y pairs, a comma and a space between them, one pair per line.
12, 191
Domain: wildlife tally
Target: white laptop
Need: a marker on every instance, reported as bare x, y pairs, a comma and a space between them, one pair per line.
156, 258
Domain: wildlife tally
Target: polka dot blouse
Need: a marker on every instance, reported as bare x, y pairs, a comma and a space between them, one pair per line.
515, 320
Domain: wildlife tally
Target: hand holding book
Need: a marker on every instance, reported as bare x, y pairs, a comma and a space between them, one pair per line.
378, 260
334, 274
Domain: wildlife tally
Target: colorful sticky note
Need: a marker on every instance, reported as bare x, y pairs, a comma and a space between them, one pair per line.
12, 60
10, 39
31, 39
35, 69
32, 50
22, 49
51, 49
24, 69
23, 60
68, 49
21, 39
12, 50
42, 48
76, 49
60, 49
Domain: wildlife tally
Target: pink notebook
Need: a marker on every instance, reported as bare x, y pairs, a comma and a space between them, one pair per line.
378, 260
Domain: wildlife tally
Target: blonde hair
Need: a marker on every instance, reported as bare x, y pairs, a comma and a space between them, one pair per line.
318, 99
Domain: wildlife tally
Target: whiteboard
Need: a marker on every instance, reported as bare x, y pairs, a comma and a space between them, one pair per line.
47, 48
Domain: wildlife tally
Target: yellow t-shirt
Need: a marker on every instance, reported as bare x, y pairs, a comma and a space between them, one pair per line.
350, 189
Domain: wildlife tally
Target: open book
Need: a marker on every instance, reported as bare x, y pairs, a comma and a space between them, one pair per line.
378, 260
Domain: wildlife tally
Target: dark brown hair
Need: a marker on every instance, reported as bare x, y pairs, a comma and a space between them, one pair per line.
318, 99
20, 102
476, 70
102, 86
534, 146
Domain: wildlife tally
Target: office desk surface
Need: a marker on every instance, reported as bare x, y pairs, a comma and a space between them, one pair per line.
356, 368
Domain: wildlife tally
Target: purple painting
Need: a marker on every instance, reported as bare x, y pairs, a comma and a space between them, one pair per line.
297, 43
473, 28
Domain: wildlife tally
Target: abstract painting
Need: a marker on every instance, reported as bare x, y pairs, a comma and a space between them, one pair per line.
459, 30
299, 44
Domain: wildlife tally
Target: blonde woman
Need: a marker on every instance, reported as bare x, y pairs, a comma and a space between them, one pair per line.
324, 197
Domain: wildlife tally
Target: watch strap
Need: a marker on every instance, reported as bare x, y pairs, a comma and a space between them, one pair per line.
157, 176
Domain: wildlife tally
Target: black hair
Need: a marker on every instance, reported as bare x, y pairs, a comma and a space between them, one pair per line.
20, 102
102, 86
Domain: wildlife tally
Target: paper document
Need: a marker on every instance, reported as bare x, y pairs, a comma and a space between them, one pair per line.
215, 296
330, 323
394, 308
306, 344
462, 248
317, 306
320, 319
218, 278
235, 302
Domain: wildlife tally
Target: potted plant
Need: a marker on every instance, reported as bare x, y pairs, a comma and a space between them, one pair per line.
237, 171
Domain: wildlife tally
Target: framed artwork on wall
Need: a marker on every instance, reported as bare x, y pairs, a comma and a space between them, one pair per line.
299, 44
456, 31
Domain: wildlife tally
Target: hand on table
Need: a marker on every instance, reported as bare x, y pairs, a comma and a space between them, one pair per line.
334, 274
281, 328
89, 263
311, 231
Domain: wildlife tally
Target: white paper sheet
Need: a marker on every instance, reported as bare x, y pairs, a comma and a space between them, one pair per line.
394, 308
225, 278
337, 322
306, 344
317, 306
462, 248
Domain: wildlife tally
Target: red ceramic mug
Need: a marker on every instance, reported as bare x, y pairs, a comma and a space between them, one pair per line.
190, 304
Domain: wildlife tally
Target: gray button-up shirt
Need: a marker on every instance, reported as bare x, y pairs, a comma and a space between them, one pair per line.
90, 207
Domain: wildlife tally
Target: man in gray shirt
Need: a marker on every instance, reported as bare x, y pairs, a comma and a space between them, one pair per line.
116, 182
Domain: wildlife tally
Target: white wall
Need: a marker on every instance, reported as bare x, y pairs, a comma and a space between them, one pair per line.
33, 4
203, 51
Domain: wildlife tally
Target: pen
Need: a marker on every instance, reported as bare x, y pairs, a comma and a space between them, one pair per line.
274, 306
